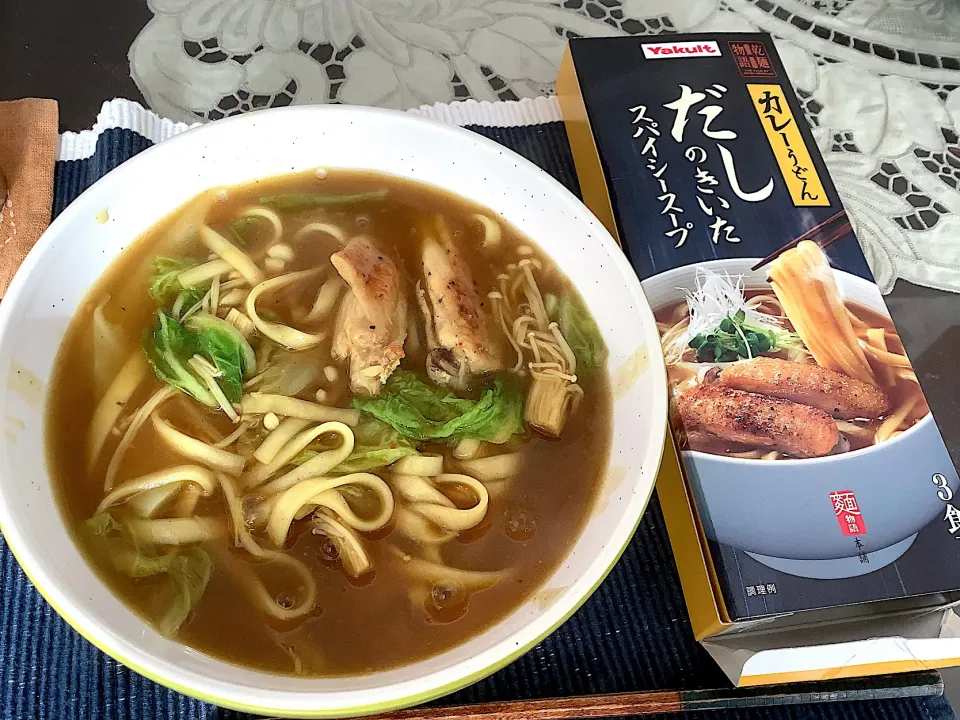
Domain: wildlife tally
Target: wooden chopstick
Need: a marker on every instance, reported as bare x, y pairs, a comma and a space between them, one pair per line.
918, 684
568, 708
825, 234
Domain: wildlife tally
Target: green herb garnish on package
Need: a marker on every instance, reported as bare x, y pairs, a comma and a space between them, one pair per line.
735, 338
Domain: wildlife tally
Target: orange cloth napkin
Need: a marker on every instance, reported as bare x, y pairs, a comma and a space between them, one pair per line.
28, 142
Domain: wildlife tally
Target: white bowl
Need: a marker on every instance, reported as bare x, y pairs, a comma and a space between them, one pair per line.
781, 509
77, 248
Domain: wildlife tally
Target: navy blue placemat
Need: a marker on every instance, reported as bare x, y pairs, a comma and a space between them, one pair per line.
633, 634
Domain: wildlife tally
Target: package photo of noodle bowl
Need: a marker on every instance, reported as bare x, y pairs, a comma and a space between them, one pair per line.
806, 438
810, 473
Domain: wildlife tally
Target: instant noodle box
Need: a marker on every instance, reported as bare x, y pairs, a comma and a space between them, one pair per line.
809, 497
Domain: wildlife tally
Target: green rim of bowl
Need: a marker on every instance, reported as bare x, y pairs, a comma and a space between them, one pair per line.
658, 436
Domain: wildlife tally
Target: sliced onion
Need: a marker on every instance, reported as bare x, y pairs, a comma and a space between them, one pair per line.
418, 528
197, 450
454, 518
326, 300
495, 467
232, 254
177, 531
434, 573
190, 219
309, 492
261, 403
427, 465
201, 273
298, 443
117, 396
150, 503
282, 334
318, 465
289, 374
108, 344
353, 556
278, 438
136, 422
178, 475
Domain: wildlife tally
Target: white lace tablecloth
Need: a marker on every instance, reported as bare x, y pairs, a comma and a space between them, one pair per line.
878, 79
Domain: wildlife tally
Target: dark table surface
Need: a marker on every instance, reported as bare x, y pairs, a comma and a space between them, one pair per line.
74, 52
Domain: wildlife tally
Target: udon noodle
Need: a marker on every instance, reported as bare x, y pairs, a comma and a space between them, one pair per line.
728, 347
336, 424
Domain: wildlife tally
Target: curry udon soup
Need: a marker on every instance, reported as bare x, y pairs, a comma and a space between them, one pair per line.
786, 371
329, 425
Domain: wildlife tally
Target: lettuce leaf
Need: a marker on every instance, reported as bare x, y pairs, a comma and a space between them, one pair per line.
165, 287
114, 544
168, 346
581, 332
307, 200
227, 348
420, 411
241, 227
370, 432
289, 373
377, 445
189, 570
371, 459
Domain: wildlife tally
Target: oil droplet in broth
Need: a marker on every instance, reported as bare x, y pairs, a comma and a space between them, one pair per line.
520, 524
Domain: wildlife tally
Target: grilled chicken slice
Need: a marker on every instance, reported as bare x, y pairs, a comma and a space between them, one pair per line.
372, 322
751, 419
838, 395
458, 331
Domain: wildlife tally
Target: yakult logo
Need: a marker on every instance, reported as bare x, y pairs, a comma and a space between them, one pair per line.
706, 48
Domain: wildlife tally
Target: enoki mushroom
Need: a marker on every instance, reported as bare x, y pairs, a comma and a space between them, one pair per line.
540, 347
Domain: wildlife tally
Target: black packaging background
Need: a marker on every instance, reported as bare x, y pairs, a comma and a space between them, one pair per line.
614, 77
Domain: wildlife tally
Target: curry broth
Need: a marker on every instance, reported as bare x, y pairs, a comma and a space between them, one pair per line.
357, 627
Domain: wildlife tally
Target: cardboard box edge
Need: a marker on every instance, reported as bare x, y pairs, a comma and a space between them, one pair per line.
700, 586
586, 157
697, 574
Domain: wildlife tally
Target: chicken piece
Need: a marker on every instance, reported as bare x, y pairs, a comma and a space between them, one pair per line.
372, 322
838, 395
700, 440
756, 420
458, 330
